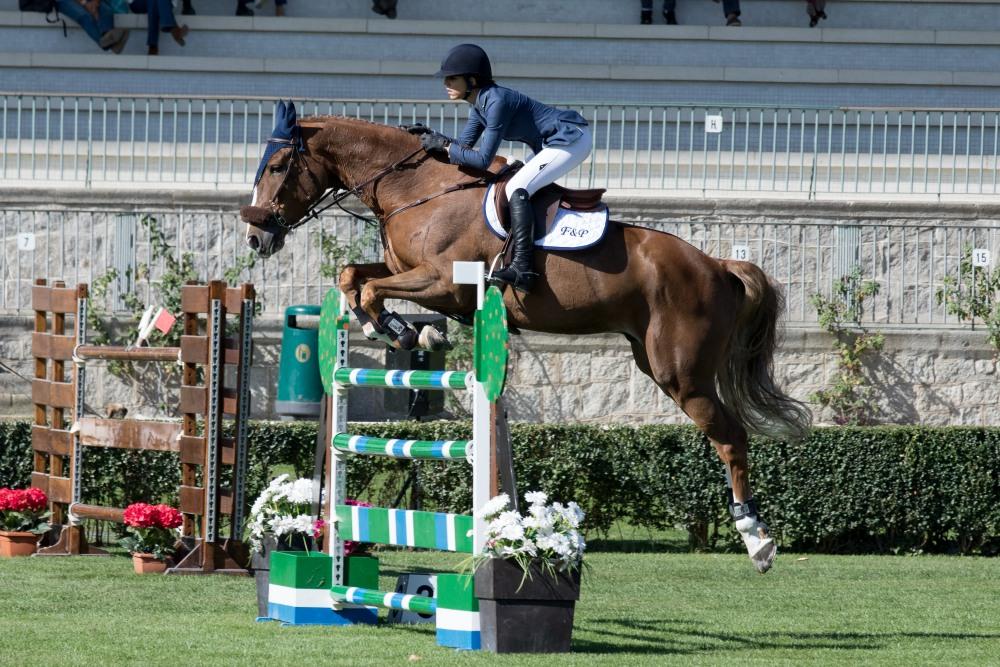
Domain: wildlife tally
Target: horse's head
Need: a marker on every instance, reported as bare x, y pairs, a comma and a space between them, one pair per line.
286, 186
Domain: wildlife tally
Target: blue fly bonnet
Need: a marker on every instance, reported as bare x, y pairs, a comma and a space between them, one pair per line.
286, 134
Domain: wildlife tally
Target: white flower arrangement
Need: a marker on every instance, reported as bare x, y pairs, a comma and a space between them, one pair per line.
283, 509
548, 534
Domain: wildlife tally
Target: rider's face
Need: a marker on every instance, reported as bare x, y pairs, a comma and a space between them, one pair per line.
456, 87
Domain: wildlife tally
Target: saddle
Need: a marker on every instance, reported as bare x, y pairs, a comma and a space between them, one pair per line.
546, 202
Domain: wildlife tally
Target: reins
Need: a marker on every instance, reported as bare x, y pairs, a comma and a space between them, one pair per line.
314, 209
340, 196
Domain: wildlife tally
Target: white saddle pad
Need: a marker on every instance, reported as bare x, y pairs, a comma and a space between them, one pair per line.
572, 230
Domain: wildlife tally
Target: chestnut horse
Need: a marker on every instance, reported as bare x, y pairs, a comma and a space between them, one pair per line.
703, 329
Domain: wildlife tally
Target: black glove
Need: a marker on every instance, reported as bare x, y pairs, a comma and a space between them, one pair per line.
435, 142
417, 128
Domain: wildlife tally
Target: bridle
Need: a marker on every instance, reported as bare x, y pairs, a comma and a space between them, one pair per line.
341, 195
337, 196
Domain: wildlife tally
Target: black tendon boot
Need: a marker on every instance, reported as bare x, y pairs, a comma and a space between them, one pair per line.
522, 231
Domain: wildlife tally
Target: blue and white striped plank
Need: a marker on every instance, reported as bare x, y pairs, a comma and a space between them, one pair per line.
374, 377
366, 596
458, 629
405, 528
403, 449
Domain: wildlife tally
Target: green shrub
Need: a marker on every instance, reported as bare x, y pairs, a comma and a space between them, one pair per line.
843, 490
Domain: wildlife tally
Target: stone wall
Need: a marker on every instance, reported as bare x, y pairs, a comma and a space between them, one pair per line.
937, 378
926, 376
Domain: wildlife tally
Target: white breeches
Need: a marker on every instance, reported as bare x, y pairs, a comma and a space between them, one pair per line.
551, 163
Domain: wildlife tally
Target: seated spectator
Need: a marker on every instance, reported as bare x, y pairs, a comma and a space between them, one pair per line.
815, 9
386, 8
279, 6
731, 8
97, 19
669, 14
159, 18
242, 9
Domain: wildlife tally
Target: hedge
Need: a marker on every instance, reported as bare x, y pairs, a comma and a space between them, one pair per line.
843, 490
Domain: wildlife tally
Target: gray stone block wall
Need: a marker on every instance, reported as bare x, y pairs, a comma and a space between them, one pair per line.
932, 378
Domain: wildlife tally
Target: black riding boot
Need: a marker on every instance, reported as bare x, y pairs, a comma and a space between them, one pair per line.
522, 231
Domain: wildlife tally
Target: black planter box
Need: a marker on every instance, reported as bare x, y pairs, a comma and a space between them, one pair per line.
535, 616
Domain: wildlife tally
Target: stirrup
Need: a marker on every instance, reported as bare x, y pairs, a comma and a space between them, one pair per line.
522, 281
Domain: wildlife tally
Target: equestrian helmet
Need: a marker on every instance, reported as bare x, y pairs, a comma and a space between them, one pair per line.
467, 59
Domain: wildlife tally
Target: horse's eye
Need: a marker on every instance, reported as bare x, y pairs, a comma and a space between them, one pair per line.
277, 168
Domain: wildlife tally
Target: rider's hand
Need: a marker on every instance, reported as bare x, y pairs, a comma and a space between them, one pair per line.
435, 142
417, 128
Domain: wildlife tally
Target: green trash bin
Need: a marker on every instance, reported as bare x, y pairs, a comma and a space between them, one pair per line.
300, 388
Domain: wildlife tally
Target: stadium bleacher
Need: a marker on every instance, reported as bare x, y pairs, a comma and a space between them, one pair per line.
870, 52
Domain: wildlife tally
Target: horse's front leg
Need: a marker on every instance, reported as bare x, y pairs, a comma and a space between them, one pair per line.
423, 285
352, 279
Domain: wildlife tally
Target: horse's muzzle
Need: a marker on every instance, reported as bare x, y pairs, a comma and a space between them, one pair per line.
264, 235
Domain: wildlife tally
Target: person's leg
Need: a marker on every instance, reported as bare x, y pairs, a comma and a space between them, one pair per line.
731, 8
168, 21
74, 11
550, 164
105, 17
279, 7
670, 11
148, 7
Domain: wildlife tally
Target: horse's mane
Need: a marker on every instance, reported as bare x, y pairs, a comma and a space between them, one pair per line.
325, 119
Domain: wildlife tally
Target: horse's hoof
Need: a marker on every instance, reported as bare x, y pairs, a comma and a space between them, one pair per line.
371, 332
432, 339
763, 557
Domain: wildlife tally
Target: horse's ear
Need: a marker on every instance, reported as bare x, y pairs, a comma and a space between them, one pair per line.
291, 113
279, 111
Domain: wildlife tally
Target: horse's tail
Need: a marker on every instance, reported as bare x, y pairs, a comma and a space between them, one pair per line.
746, 380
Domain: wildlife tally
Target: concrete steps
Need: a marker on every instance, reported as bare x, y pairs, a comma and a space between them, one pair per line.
851, 14
586, 62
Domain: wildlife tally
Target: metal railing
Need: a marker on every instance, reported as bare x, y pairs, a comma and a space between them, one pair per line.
217, 143
909, 262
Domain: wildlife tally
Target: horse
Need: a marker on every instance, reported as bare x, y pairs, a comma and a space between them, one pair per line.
703, 329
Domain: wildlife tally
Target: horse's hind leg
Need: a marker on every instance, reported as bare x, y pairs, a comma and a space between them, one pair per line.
688, 377
729, 437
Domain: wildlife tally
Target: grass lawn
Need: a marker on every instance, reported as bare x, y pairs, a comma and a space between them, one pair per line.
651, 608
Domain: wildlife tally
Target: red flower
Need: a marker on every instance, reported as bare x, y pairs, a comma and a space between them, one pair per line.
5, 498
168, 517
16, 500
36, 498
140, 515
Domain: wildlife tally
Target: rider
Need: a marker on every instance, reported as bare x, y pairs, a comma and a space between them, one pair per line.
560, 140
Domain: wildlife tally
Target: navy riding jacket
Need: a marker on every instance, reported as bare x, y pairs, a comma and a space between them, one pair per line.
502, 114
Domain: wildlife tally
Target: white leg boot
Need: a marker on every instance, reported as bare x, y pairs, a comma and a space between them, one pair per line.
760, 546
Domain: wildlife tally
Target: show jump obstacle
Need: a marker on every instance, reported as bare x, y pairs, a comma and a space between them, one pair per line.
213, 466
455, 606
